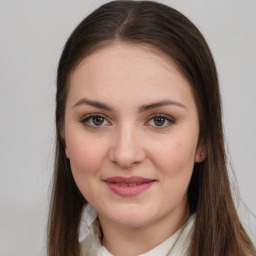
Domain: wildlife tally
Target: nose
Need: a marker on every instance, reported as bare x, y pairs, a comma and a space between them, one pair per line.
127, 149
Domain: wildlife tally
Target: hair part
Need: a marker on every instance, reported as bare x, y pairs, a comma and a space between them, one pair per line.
218, 230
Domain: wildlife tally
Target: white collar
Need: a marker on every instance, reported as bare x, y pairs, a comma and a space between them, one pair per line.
175, 245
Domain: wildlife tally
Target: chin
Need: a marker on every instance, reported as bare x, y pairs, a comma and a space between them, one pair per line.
132, 217
132, 222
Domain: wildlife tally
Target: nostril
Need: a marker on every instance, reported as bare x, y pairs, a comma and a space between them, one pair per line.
126, 151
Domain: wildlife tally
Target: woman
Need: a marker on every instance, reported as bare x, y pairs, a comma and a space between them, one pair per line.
140, 161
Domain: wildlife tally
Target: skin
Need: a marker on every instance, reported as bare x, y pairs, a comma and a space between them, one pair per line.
128, 141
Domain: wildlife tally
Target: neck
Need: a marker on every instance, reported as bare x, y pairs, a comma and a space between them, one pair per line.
125, 240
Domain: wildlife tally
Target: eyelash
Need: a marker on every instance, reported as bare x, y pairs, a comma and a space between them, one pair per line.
163, 116
86, 119
166, 118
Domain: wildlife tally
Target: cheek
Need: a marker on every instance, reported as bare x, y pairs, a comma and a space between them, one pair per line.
86, 158
175, 158
86, 155
175, 166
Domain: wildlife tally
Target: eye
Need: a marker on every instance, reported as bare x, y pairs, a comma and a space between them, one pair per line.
95, 120
160, 121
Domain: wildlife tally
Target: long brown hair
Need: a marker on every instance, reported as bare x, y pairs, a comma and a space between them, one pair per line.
218, 230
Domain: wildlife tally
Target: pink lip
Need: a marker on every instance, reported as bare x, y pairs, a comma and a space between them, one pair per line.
128, 186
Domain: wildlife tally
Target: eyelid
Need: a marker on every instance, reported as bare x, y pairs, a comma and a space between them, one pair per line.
87, 117
171, 120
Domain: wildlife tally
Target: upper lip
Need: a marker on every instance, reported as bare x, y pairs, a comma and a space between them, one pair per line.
128, 180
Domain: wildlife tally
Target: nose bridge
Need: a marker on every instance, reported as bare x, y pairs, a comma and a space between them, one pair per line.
127, 149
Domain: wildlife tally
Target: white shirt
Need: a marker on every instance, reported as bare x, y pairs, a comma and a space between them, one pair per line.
176, 245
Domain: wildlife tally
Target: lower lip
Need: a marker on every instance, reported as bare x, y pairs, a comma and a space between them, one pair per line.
129, 190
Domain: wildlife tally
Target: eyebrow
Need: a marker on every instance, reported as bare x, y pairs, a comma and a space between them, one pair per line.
93, 103
141, 108
160, 104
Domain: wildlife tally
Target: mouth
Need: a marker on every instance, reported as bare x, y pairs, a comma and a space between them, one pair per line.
128, 186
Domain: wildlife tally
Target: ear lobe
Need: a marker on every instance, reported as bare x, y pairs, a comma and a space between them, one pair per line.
200, 154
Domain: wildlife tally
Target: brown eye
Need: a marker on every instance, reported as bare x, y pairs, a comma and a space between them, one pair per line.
95, 120
159, 121
98, 120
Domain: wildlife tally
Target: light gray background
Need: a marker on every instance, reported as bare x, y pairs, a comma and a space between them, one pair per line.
32, 34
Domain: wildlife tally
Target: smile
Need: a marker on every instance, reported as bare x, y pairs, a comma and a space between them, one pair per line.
128, 186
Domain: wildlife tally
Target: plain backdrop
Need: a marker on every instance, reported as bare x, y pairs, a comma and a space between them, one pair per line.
32, 35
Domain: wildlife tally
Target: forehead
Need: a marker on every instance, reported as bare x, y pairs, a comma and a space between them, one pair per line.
120, 70
126, 53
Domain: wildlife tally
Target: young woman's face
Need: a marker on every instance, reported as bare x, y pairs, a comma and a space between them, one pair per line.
131, 132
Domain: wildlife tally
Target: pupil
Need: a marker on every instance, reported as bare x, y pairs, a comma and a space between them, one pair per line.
159, 121
98, 120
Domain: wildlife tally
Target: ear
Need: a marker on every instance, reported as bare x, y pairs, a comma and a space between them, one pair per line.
200, 154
